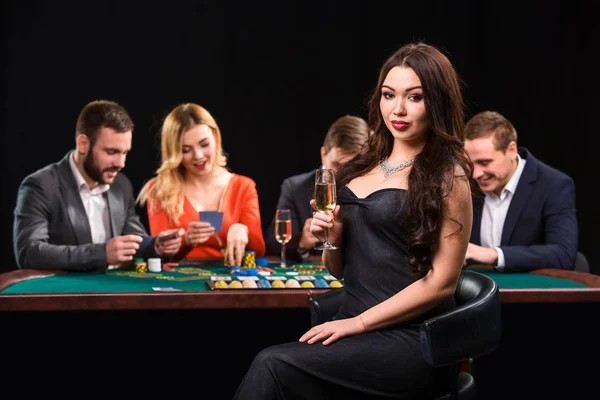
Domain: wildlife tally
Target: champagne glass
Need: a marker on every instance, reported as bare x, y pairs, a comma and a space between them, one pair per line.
283, 231
325, 199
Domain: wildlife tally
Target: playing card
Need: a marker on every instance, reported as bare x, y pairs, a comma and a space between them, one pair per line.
167, 237
215, 218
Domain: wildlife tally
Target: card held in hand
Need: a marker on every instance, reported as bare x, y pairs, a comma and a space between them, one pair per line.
215, 218
167, 237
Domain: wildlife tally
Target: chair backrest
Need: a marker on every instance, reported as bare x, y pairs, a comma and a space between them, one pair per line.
470, 330
581, 264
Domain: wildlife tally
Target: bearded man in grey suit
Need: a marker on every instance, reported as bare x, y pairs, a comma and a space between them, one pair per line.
79, 214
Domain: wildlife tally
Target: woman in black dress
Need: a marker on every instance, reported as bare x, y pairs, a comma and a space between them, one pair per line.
402, 226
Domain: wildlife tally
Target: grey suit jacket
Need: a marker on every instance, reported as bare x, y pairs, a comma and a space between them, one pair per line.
51, 228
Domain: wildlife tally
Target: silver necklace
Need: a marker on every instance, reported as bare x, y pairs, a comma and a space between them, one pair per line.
389, 169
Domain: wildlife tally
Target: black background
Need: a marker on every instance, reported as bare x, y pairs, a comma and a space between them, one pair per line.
275, 75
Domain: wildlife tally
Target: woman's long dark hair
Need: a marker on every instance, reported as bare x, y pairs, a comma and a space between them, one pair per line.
432, 173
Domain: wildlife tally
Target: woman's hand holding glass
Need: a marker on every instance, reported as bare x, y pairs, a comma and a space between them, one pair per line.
198, 232
325, 195
307, 240
327, 225
237, 239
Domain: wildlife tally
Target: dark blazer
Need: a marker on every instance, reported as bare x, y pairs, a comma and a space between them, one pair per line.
296, 194
540, 230
51, 228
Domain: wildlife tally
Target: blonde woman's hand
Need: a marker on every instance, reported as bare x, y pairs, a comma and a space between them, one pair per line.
330, 221
169, 247
198, 232
237, 239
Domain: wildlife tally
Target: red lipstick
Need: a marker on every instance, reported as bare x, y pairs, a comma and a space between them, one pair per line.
400, 125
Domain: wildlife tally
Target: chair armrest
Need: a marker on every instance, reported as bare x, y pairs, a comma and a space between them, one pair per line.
324, 306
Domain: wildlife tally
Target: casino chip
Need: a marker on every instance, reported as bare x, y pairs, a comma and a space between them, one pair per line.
278, 284
262, 261
141, 266
292, 283
246, 272
220, 285
264, 284
249, 259
249, 284
321, 283
169, 266
235, 285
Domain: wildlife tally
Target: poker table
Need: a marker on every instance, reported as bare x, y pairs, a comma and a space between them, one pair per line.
167, 320
190, 287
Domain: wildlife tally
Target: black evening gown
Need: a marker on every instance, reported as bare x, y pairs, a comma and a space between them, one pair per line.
375, 365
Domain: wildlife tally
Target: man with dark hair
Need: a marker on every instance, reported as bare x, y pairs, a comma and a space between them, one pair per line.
344, 139
79, 213
527, 219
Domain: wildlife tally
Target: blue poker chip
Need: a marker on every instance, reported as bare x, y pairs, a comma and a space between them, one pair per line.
263, 284
321, 283
261, 261
233, 269
246, 272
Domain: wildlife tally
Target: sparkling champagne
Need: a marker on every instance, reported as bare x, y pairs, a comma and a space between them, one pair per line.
325, 196
283, 230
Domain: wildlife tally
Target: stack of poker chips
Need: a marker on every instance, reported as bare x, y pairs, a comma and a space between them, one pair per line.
262, 262
249, 259
140, 265
169, 266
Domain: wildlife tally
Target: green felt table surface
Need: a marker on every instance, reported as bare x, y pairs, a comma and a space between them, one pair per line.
524, 280
185, 278
195, 277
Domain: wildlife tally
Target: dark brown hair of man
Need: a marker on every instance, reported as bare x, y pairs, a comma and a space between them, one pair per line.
99, 114
347, 133
491, 123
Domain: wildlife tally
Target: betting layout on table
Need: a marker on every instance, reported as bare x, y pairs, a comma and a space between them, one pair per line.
248, 276
295, 277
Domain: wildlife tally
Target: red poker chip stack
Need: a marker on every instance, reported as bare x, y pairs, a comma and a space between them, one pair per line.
169, 266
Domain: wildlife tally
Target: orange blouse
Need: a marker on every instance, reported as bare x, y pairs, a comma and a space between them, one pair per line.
239, 205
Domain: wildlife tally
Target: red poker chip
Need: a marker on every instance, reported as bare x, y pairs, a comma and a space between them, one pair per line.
171, 264
169, 267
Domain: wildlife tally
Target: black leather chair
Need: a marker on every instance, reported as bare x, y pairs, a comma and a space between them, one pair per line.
471, 330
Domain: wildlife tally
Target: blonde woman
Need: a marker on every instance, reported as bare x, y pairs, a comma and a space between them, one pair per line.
194, 177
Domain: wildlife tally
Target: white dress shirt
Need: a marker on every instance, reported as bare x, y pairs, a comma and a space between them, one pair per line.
96, 207
494, 214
